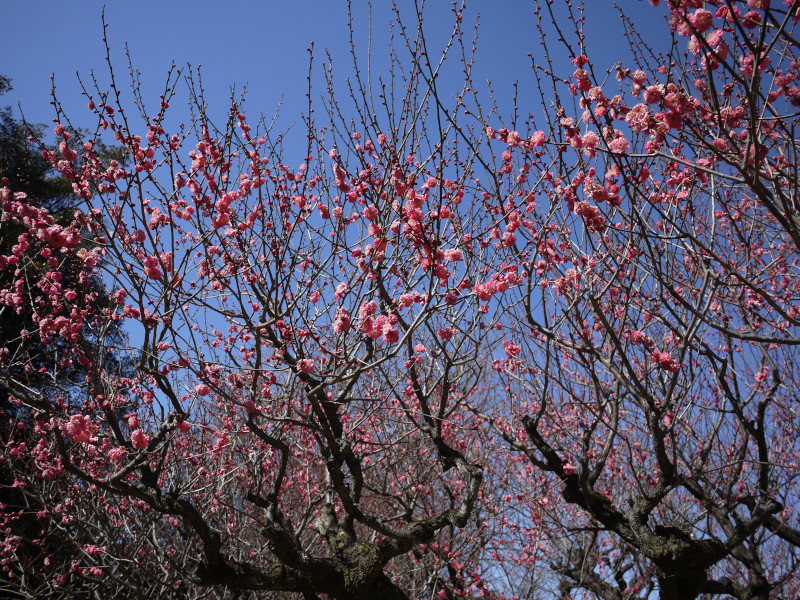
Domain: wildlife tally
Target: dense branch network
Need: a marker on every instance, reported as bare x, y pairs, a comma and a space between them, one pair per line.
438, 356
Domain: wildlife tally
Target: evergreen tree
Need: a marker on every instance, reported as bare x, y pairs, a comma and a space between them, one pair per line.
52, 368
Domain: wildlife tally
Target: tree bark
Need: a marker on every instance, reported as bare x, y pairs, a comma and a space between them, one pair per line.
685, 585
382, 588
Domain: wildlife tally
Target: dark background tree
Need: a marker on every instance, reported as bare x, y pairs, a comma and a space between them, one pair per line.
52, 368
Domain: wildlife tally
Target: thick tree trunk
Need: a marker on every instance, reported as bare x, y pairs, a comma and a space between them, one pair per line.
382, 588
355, 581
685, 585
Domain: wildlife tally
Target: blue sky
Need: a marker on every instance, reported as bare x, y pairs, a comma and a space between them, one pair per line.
262, 44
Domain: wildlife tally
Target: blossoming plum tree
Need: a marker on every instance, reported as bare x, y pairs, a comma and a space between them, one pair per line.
439, 355
653, 371
24, 170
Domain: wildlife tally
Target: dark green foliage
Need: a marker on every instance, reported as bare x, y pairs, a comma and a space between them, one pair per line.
51, 370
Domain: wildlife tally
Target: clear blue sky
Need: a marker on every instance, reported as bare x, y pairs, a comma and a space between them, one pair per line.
261, 43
